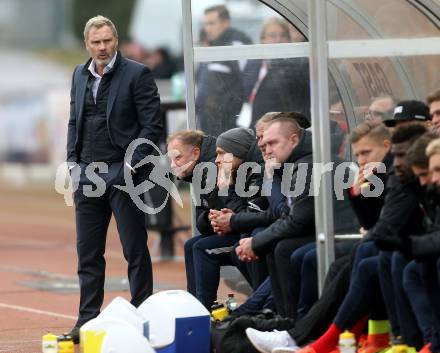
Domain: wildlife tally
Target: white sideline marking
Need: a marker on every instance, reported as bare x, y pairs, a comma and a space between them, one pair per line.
36, 311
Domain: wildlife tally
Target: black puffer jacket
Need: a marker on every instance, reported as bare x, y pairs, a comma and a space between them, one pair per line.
401, 214
232, 200
272, 208
301, 219
427, 246
207, 154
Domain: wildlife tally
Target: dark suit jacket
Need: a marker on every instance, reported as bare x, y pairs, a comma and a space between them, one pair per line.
132, 108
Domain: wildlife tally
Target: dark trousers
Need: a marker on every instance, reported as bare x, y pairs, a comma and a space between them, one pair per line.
322, 313
93, 215
364, 249
305, 260
363, 295
209, 254
408, 323
418, 298
189, 264
403, 321
285, 282
386, 285
430, 271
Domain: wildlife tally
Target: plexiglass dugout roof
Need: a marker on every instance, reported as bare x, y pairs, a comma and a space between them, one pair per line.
351, 51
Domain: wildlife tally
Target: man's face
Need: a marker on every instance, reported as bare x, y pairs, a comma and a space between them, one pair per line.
101, 45
422, 174
434, 169
259, 131
223, 158
183, 157
401, 166
214, 26
279, 144
434, 110
368, 150
380, 109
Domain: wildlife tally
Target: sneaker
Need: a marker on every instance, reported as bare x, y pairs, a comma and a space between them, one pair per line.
265, 342
426, 348
306, 349
74, 333
375, 343
285, 350
391, 349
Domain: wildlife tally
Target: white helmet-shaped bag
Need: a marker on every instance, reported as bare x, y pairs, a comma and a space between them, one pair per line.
125, 339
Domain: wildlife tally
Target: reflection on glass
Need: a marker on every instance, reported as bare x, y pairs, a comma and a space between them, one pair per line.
277, 84
218, 30
218, 99
380, 109
237, 93
388, 17
338, 130
370, 78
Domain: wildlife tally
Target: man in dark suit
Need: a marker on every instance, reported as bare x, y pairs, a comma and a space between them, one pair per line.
114, 101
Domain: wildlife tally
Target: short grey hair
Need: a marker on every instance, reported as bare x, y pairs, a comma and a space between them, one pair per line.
98, 22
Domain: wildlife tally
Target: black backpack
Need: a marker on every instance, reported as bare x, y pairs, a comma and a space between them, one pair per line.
229, 336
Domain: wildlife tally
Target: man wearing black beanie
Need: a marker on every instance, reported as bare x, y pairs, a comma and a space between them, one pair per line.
212, 250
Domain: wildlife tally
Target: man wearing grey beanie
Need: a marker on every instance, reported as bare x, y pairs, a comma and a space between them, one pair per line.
237, 141
212, 250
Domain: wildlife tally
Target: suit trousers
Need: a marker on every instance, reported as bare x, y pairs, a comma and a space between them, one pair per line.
93, 215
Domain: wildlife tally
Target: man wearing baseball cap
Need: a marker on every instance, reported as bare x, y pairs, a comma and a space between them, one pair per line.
408, 111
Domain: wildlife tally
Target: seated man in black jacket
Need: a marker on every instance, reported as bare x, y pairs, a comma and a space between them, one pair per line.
425, 249
400, 214
291, 147
187, 149
415, 288
210, 250
255, 220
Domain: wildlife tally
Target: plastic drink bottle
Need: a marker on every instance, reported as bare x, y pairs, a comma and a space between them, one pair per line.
347, 342
231, 303
49, 343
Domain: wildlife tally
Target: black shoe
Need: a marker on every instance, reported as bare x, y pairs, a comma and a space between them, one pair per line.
74, 333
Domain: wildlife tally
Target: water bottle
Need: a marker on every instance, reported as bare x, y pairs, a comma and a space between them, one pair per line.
65, 344
231, 303
49, 343
347, 342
